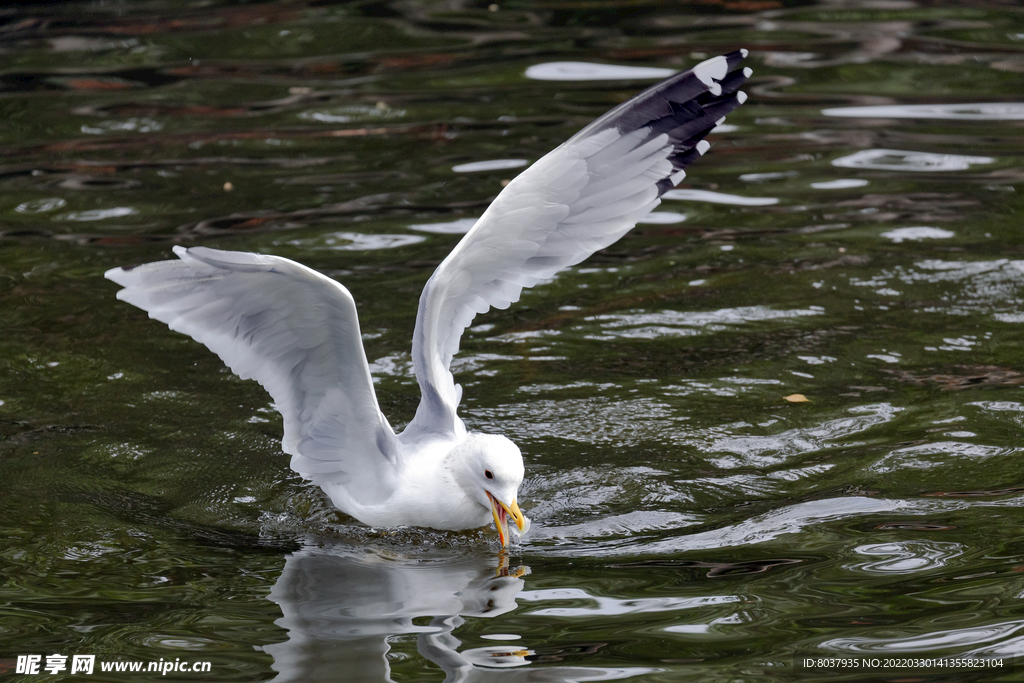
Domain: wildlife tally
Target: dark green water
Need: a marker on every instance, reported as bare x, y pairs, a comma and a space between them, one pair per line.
689, 522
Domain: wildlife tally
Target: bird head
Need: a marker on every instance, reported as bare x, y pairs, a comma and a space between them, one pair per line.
492, 477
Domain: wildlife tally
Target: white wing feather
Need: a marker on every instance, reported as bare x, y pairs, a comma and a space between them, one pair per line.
580, 198
294, 331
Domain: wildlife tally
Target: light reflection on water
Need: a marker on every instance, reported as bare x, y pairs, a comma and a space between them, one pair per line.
995, 640
906, 557
354, 241
917, 233
988, 111
941, 454
458, 227
840, 184
591, 605
900, 160
970, 286
586, 71
351, 113
791, 520
765, 451
718, 198
673, 323
489, 165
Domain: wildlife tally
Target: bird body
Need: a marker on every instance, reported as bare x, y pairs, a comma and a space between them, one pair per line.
440, 495
297, 333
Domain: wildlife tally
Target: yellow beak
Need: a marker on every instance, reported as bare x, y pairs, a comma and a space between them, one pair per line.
502, 513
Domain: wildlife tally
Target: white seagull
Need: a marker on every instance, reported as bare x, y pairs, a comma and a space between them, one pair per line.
296, 331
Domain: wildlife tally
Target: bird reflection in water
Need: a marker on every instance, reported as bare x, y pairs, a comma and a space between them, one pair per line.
343, 607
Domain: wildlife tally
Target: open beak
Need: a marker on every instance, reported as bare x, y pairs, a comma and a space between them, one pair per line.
502, 514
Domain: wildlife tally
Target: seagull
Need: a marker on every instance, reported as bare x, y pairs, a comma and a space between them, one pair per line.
296, 331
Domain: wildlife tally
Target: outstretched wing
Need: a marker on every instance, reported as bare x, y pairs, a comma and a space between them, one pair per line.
579, 198
294, 331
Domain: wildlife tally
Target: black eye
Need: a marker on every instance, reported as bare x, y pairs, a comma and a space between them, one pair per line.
487, 473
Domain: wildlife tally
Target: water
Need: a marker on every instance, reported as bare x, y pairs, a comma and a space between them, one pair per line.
852, 238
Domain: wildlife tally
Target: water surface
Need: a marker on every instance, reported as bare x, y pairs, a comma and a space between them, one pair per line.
852, 238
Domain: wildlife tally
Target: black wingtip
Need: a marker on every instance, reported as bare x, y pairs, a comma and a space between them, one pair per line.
685, 107
688, 122
735, 57
702, 84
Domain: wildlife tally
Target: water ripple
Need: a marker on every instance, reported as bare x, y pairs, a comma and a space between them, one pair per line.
597, 605
932, 642
840, 184
985, 111
999, 406
663, 218
456, 227
99, 214
646, 325
719, 198
489, 165
347, 114
993, 286
940, 454
596, 420
354, 241
631, 523
41, 205
588, 71
917, 234
796, 519
767, 450
906, 557
899, 160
